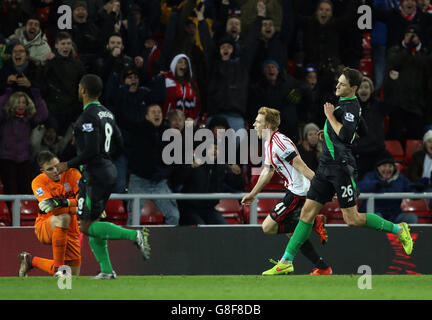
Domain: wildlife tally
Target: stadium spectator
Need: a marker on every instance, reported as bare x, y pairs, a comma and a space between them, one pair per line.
45, 137
18, 115
182, 91
273, 45
148, 173
399, 18
279, 91
310, 148
322, 32
128, 100
317, 89
420, 169
181, 38
111, 17
114, 58
12, 16
33, 39
228, 83
425, 6
231, 28
204, 177
386, 179
405, 89
369, 146
176, 120
248, 13
21, 73
62, 75
87, 36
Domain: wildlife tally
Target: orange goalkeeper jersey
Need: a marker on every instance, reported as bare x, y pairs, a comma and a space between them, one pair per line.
65, 188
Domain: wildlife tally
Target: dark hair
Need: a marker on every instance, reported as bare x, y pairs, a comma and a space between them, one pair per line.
93, 84
353, 76
329, 2
62, 35
114, 34
152, 105
44, 157
32, 17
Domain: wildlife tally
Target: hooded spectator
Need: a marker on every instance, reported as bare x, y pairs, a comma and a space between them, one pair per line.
182, 90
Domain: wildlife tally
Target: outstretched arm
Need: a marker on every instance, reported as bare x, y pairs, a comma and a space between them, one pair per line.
263, 180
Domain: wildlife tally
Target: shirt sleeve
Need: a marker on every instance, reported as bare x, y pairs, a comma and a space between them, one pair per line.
350, 119
89, 131
41, 190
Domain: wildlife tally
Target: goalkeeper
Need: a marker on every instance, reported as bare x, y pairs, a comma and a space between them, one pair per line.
57, 222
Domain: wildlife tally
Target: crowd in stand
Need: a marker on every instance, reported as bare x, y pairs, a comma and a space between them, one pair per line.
215, 63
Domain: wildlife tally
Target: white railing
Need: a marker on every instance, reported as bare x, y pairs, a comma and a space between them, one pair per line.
136, 210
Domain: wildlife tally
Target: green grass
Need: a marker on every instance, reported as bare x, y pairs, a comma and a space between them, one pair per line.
220, 288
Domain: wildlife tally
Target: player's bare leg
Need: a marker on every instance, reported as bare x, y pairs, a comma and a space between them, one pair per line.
269, 226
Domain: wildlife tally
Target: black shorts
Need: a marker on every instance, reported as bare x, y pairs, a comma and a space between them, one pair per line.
338, 179
287, 212
93, 196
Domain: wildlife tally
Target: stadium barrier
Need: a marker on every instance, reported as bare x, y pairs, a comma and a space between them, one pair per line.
136, 210
233, 250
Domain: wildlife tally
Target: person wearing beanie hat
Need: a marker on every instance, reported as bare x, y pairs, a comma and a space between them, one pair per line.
387, 179
311, 147
420, 169
369, 145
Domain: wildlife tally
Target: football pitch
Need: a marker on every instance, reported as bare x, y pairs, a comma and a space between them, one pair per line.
296, 287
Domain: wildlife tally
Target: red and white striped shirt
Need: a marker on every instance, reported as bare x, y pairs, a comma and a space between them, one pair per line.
277, 151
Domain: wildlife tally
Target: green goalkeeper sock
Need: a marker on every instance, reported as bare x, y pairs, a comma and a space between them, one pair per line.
374, 221
110, 231
300, 235
100, 250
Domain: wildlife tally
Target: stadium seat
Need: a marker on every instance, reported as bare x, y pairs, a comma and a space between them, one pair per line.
230, 210
332, 212
396, 150
410, 147
116, 212
29, 212
150, 214
420, 207
401, 167
5, 216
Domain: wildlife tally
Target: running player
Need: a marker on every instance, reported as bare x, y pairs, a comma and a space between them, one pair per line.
57, 222
282, 156
337, 173
97, 138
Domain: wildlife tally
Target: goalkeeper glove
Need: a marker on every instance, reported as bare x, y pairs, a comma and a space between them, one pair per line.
53, 203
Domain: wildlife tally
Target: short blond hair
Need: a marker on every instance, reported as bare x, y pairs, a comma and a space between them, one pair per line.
271, 116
